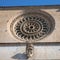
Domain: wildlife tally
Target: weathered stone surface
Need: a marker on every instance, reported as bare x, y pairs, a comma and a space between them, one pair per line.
7, 15
10, 48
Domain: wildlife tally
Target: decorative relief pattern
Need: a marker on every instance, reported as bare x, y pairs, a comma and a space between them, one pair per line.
32, 26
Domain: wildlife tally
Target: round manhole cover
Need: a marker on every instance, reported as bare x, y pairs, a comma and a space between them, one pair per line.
32, 26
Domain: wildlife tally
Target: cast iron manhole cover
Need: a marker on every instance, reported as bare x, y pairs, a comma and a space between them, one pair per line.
32, 26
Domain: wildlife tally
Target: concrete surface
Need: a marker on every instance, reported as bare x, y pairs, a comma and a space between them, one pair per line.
7, 15
17, 52
40, 53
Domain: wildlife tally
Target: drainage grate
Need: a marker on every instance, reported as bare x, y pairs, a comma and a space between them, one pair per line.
32, 26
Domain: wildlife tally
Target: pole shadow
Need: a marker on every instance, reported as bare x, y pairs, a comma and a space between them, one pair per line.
20, 56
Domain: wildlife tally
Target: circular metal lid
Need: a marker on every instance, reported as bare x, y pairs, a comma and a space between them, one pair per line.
32, 26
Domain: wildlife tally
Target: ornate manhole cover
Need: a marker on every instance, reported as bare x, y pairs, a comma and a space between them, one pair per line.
32, 26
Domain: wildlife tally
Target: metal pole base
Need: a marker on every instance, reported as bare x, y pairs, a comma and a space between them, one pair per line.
29, 50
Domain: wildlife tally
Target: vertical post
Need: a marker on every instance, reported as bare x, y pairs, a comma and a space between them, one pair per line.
29, 50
